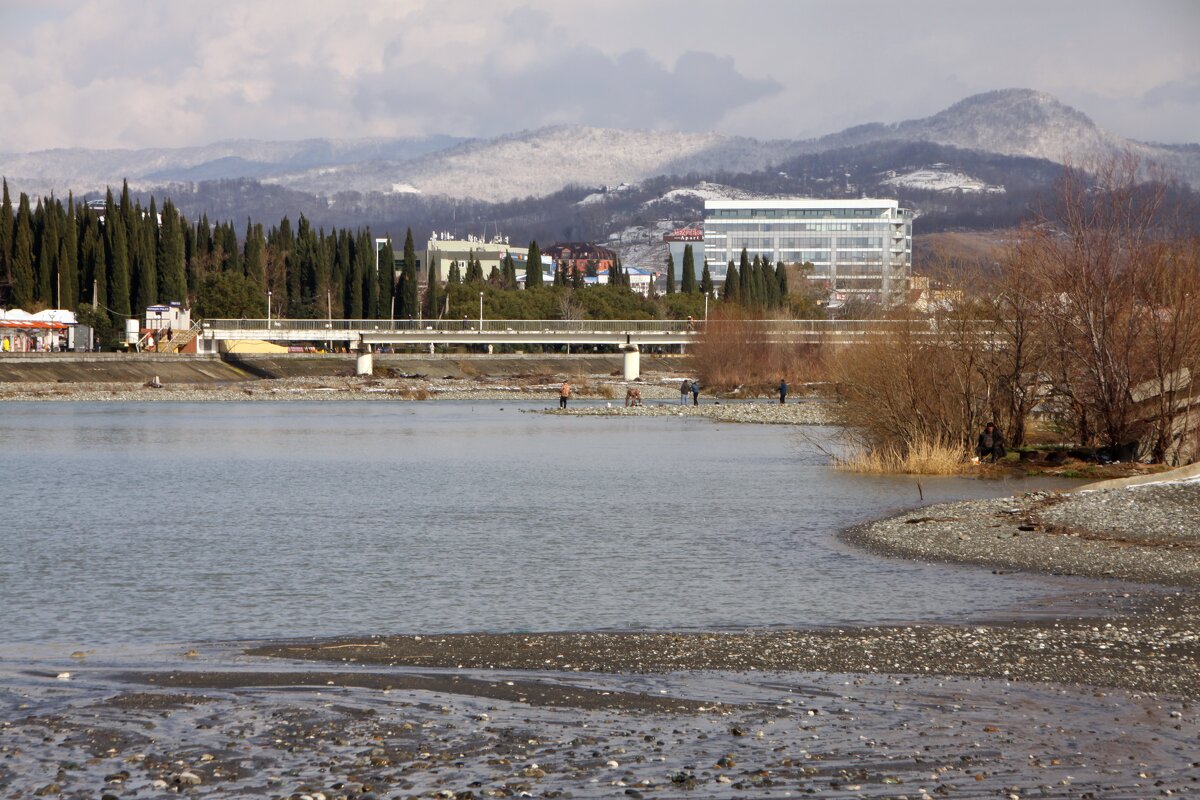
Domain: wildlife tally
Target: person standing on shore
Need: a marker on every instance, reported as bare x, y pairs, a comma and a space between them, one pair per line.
783, 389
564, 394
695, 392
685, 389
990, 444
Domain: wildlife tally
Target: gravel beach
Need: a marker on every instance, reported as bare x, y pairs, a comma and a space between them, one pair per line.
1146, 534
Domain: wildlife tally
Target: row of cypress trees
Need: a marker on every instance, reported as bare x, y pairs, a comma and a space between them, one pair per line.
755, 284
120, 256
688, 284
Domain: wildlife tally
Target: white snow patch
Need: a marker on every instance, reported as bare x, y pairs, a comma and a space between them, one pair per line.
404, 188
943, 180
703, 191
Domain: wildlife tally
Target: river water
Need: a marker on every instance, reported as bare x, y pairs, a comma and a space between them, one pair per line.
155, 522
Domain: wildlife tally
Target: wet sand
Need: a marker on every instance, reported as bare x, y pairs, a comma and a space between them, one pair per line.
372, 733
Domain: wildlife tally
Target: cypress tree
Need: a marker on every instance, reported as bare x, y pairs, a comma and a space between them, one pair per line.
227, 243
533, 266
433, 299
68, 261
199, 252
745, 289
771, 283
577, 278
706, 281
23, 281
510, 272
670, 272
7, 222
732, 284
365, 251
147, 270
353, 282
289, 284
307, 261
689, 271
754, 296
408, 279
172, 267
455, 275
118, 268
46, 251
253, 251
387, 280
92, 260
782, 282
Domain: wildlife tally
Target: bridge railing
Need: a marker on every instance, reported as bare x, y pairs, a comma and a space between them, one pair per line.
321, 327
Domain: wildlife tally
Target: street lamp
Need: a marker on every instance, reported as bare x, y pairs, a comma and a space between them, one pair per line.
268, 309
481, 312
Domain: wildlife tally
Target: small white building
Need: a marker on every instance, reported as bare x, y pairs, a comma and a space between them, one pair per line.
172, 316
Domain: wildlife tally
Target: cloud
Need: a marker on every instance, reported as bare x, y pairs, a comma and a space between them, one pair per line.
566, 85
133, 73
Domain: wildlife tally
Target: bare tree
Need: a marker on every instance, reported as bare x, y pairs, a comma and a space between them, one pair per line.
1088, 254
1167, 289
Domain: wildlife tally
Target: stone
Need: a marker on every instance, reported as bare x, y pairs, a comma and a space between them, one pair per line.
186, 778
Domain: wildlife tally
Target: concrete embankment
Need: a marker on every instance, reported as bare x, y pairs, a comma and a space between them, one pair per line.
173, 369
117, 368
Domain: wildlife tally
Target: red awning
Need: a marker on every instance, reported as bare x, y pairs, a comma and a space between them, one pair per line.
32, 324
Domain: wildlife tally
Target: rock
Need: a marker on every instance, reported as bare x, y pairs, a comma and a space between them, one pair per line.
186, 778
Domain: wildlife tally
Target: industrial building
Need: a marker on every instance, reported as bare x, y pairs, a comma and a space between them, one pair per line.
858, 248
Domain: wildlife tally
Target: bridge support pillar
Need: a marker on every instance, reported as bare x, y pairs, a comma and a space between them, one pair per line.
633, 362
366, 361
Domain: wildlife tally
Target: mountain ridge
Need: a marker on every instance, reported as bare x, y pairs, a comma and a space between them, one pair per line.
537, 163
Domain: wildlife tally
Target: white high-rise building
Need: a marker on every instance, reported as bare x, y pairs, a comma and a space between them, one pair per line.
858, 248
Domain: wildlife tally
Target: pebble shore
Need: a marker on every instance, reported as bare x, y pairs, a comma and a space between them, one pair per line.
1146, 534
810, 413
277, 390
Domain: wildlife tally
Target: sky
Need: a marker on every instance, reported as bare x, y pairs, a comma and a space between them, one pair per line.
135, 73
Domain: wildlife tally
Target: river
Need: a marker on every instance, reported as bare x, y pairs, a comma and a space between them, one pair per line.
179, 522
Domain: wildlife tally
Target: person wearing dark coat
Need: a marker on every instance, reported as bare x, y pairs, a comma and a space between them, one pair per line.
695, 393
783, 389
990, 444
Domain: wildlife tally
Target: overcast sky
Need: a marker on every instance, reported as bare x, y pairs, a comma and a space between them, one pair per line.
126, 73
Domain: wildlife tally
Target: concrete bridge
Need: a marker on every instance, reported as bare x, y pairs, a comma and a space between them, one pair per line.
366, 335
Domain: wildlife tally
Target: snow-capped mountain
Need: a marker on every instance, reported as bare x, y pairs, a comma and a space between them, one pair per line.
537, 163
1011, 122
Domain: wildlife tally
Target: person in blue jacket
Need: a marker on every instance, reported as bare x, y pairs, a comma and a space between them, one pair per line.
695, 393
783, 387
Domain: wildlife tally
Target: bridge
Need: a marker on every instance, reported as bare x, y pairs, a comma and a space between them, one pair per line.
367, 335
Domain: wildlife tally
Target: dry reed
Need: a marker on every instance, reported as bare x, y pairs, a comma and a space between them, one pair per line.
921, 457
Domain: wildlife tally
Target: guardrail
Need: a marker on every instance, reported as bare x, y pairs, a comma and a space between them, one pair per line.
322, 327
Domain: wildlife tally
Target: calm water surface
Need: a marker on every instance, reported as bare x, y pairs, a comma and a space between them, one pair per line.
127, 523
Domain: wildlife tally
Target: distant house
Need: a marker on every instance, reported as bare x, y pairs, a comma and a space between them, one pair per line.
579, 256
